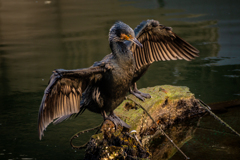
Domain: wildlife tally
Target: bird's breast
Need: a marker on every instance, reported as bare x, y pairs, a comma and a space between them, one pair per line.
117, 81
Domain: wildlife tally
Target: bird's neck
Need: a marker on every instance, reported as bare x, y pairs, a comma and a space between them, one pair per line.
119, 49
122, 55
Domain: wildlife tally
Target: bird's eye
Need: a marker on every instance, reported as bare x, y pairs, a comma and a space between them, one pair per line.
128, 35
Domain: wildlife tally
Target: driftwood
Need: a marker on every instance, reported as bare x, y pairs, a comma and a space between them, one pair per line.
111, 144
169, 105
169, 108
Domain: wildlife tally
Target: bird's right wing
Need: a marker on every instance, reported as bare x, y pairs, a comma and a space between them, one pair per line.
159, 44
63, 93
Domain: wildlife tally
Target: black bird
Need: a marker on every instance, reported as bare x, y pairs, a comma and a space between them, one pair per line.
159, 44
103, 86
99, 88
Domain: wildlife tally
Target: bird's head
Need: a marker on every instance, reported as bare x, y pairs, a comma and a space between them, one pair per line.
121, 32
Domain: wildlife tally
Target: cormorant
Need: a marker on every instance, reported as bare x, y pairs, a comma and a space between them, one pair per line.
159, 44
103, 86
99, 88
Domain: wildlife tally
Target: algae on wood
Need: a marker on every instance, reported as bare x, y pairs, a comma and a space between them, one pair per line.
111, 144
168, 105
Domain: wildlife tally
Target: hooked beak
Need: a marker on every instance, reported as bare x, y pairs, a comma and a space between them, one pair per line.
136, 42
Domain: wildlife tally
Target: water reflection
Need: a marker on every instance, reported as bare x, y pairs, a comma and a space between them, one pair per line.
200, 138
39, 36
162, 149
146, 4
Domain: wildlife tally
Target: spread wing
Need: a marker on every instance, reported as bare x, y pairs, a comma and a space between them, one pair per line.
63, 93
159, 44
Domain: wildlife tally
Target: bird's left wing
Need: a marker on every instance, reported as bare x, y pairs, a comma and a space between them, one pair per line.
63, 93
159, 44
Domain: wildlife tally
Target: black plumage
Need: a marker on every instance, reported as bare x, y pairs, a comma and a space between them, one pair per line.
103, 86
159, 44
99, 88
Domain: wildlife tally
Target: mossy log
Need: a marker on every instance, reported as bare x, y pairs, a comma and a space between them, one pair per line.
110, 144
168, 105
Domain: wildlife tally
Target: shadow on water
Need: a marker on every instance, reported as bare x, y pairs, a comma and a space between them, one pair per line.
39, 36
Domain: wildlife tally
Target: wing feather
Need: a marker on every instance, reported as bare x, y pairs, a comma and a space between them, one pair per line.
144, 50
167, 52
141, 57
150, 51
172, 51
160, 44
160, 49
62, 96
156, 51
177, 50
165, 55
186, 48
137, 60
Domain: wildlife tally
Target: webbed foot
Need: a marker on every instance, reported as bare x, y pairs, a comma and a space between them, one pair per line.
139, 94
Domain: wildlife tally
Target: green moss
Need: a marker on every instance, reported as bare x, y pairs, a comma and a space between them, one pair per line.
98, 136
132, 115
116, 146
167, 104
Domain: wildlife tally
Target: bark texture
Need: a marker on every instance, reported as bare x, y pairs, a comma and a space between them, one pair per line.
169, 105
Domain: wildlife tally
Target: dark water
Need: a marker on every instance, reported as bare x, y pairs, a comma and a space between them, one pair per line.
39, 36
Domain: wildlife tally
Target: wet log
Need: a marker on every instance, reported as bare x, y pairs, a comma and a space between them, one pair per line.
111, 144
169, 105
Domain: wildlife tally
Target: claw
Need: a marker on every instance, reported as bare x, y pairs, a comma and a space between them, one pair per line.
116, 120
139, 94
